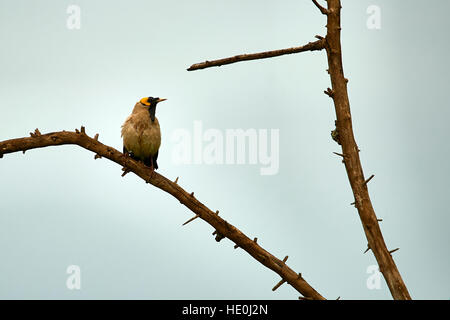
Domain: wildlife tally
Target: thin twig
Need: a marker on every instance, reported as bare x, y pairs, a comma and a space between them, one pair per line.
191, 219
392, 251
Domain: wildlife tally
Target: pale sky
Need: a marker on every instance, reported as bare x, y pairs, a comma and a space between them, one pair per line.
60, 208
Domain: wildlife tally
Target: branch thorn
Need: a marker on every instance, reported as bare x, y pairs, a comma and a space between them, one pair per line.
96, 137
370, 178
278, 284
176, 181
219, 236
36, 133
191, 219
392, 251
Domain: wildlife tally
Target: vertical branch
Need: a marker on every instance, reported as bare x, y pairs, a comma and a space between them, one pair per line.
352, 161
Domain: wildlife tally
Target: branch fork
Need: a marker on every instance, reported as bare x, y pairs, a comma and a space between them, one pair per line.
322, 9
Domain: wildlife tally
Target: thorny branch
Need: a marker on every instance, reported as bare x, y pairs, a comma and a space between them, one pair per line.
351, 158
343, 134
322, 9
311, 46
223, 228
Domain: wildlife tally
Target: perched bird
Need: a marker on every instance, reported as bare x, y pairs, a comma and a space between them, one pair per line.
141, 133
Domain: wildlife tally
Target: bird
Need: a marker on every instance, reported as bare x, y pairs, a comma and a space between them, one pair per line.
141, 132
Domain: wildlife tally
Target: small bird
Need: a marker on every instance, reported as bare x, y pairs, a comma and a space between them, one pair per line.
141, 133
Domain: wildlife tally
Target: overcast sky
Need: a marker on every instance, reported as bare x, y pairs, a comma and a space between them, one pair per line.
60, 208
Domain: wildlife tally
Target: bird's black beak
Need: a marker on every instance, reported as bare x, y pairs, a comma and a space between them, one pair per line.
152, 108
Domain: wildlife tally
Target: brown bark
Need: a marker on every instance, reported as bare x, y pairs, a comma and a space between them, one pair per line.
351, 158
223, 228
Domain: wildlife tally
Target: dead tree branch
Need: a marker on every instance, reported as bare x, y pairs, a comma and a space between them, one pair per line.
222, 227
311, 46
350, 151
352, 161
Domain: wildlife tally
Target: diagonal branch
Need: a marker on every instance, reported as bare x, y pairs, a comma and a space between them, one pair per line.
311, 46
351, 156
223, 228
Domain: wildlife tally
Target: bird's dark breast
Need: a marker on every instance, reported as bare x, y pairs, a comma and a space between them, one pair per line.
152, 112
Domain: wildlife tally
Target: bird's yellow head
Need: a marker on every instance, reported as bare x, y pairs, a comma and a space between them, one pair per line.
151, 103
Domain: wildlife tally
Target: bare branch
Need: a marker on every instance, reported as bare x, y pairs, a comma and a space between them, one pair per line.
311, 46
222, 227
